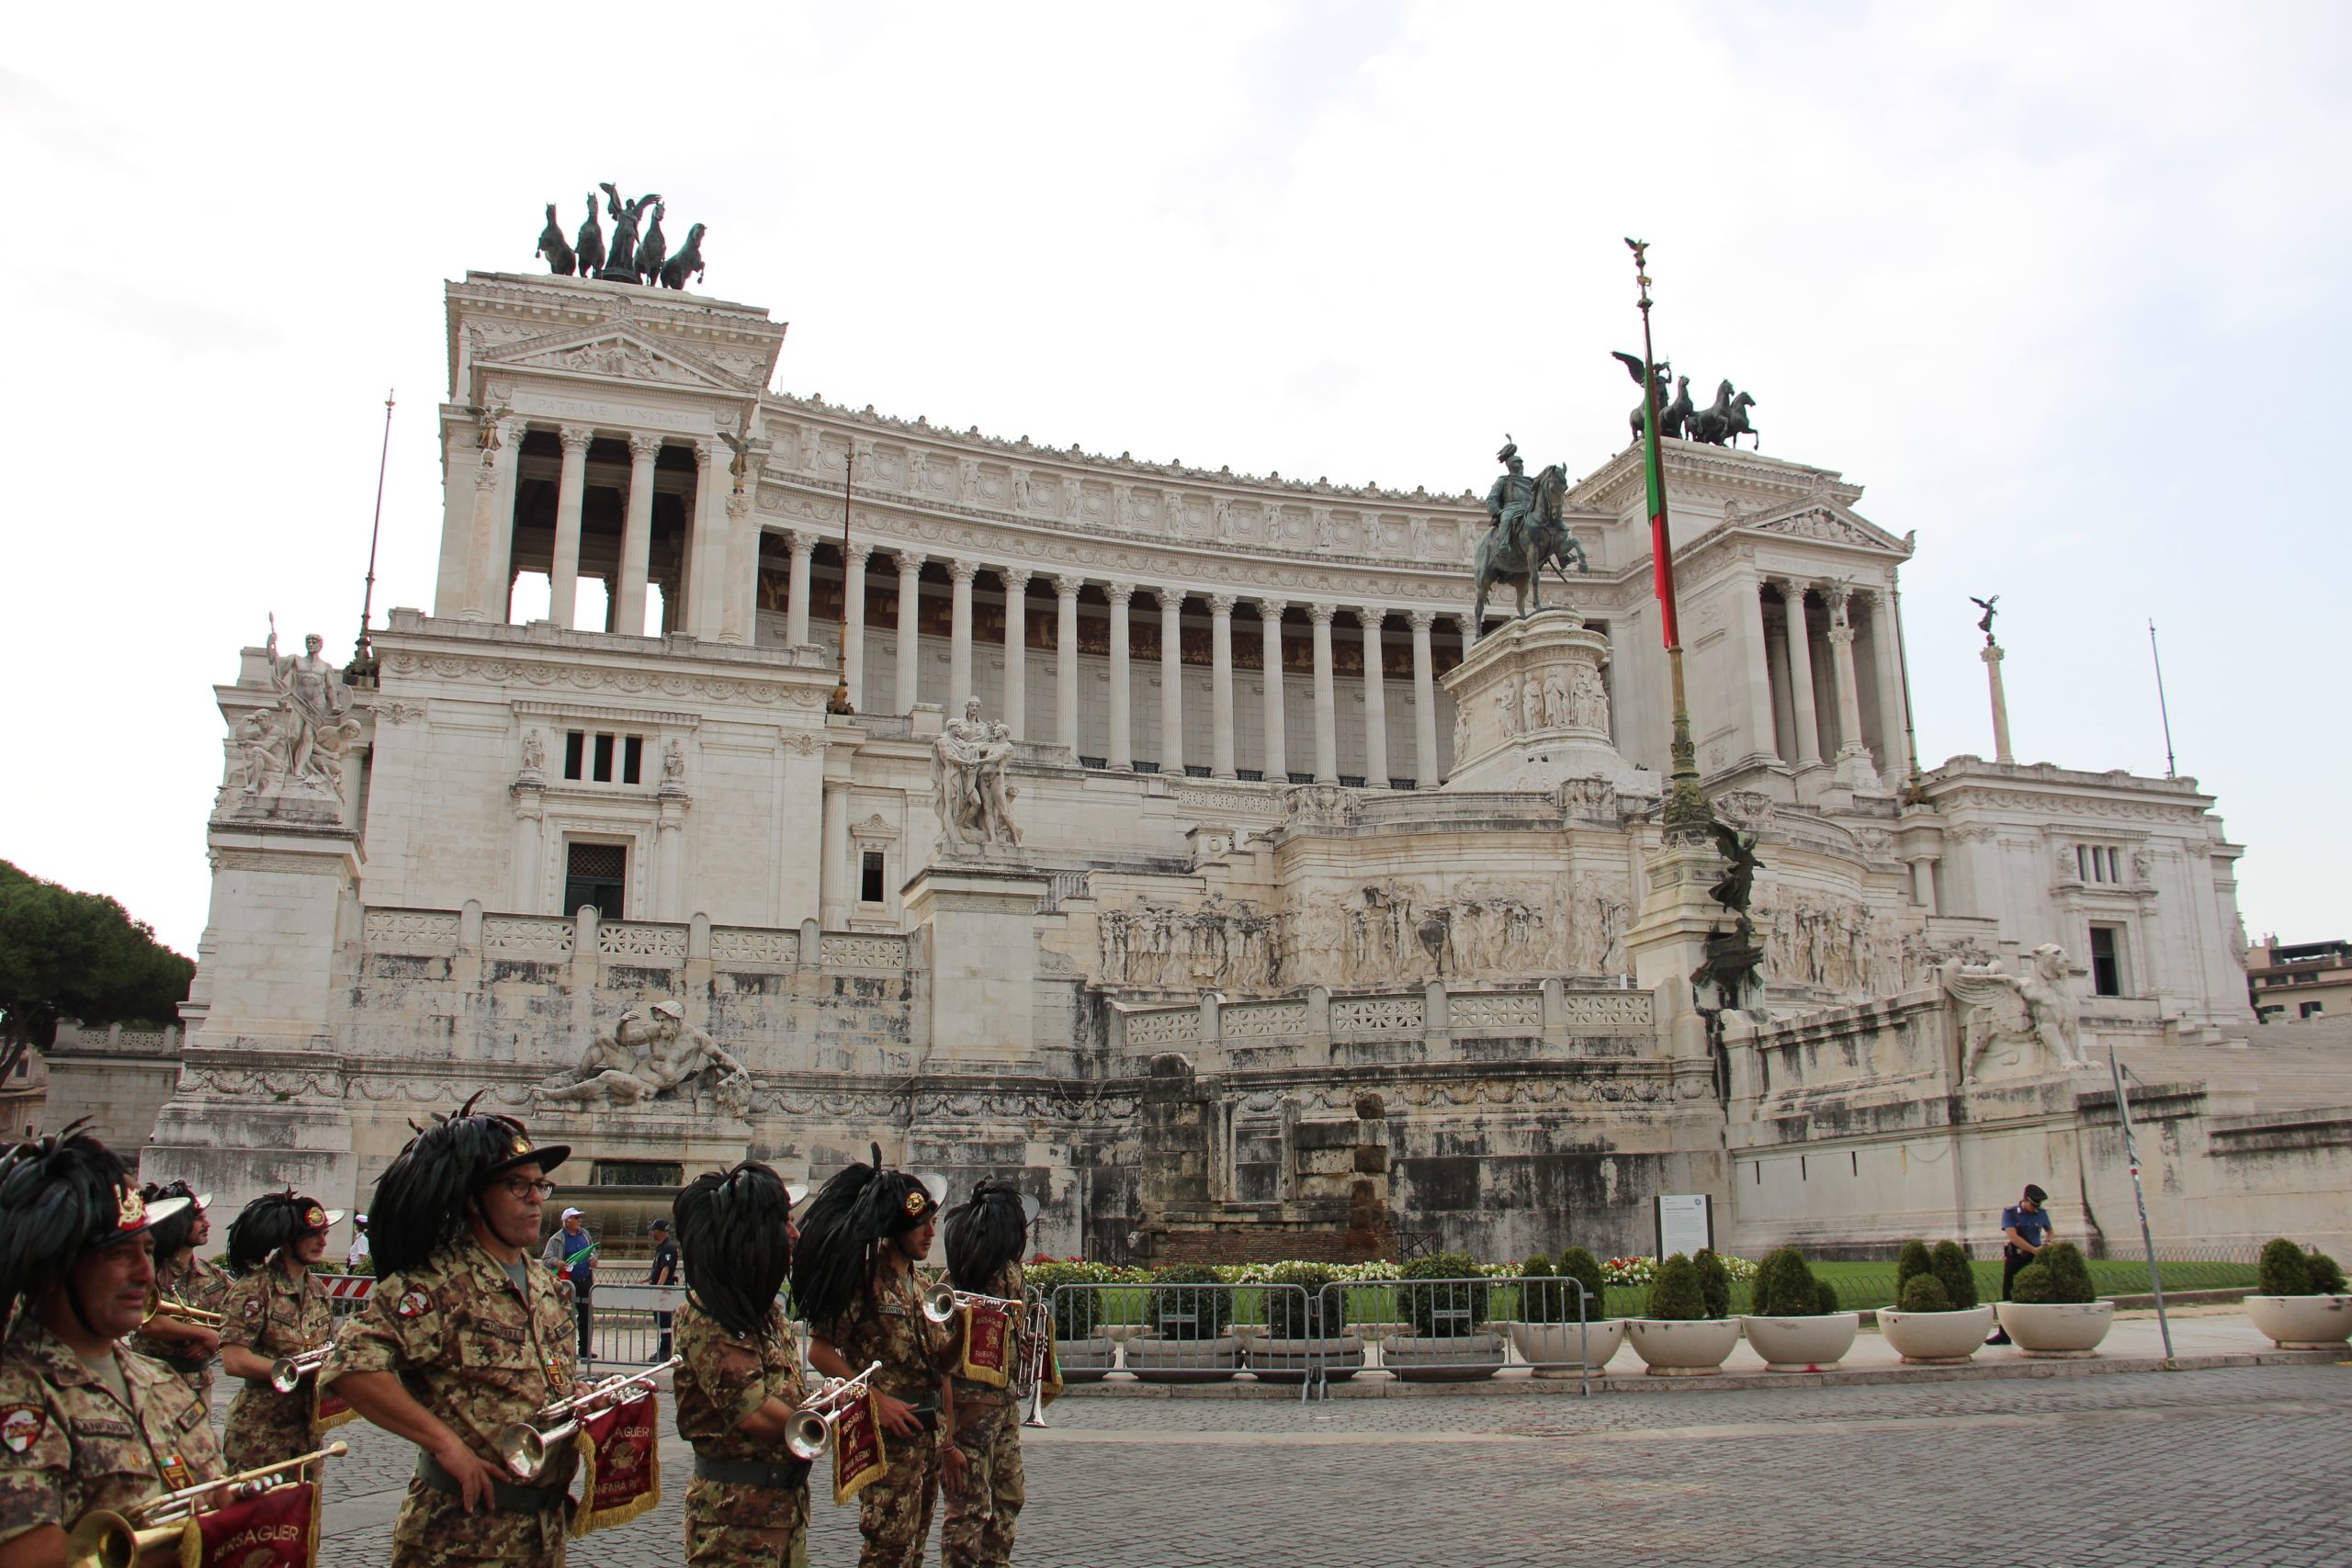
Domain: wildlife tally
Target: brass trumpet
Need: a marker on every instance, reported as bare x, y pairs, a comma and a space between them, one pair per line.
287, 1372
940, 1302
195, 1316
104, 1539
526, 1447
810, 1432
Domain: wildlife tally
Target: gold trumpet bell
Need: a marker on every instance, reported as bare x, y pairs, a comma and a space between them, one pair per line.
104, 1539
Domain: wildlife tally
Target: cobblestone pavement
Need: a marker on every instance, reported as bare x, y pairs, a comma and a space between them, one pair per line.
2235, 1466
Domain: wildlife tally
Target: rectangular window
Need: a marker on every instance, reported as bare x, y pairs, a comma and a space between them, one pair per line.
632, 758
575, 752
604, 771
2106, 961
869, 877
2310, 1010
595, 873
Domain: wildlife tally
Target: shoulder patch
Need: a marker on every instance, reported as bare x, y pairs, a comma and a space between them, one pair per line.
413, 1303
252, 1306
22, 1427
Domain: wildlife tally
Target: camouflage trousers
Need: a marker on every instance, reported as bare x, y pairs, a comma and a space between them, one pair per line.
733, 1526
976, 1525
265, 1426
894, 1511
435, 1528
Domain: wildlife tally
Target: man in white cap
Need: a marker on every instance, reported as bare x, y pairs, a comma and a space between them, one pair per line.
358, 1243
571, 1253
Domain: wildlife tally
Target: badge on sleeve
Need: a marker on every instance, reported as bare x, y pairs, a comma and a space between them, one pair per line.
252, 1306
22, 1427
412, 1305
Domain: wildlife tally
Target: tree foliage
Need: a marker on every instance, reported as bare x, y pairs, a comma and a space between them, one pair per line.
78, 955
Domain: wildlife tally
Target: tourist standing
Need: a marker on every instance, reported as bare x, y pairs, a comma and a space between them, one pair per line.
84, 1423
981, 1489
357, 1255
275, 1309
183, 1280
747, 1505
2025, 1231
463, 1335
664, 1272
852, 1277
571, 1253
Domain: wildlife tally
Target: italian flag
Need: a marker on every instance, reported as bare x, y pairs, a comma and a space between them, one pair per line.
1654, 470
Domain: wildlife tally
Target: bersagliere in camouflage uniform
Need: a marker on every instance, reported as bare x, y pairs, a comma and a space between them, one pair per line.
463, 1334
854, 1276
747, 1505
986, 1235
275, 1308
183, 1278
84, 1423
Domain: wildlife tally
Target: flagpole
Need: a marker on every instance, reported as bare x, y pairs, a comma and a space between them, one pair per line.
1687, 814
853, 582
2163, 711
362, 653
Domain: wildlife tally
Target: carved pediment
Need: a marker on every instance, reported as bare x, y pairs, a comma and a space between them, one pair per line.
1817, 517
612, 353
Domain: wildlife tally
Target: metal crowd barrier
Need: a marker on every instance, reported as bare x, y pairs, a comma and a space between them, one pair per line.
1187, 1332
1452, 1330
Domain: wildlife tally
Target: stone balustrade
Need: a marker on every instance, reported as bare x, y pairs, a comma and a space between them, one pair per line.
1440, 1021
638, 944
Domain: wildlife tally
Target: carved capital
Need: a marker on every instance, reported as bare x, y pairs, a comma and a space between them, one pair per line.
486, 474
859, 554
1420, 621
705, 454
1171, 601
910, 562
1270, 609
1119, 594
1372, 616
1014, 578
576, 437
961, 572
1321, 614
803, 544
1221, 604
643, 449
739, 506
1067, 586
511, 432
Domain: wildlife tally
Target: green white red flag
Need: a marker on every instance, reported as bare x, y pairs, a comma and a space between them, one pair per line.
1654, 470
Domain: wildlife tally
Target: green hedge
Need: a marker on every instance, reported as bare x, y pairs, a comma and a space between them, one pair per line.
1455, 1308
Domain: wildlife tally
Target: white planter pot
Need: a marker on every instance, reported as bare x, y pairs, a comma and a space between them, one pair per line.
1812, 1344
2303, 1323
1683, 1347
1936, 1338
1551, 1348
2057, 1329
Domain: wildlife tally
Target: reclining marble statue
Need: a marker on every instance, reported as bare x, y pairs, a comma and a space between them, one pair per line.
969, 789
652, 1054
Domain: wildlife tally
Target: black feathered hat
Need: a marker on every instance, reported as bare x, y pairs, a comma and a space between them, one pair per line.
851, 1216
175, 1231
420, 1202
731, 1234
984, 1232
62, 1197
272, 1220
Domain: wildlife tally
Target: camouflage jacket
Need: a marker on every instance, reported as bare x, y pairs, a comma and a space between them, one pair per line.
471, 1348
886, 1324
196, 1284
268, 1316
68, 1446
1010, 1282
725, 1377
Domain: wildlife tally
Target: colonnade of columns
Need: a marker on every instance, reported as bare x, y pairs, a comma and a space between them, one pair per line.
1805, 715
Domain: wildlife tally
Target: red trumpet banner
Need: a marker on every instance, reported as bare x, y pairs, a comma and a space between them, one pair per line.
328, 1410
858, 1454
278, 1530
620, 1464
988, 1346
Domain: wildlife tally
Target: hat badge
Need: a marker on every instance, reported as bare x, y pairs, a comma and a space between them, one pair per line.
917, 1200
131, 1210
314, 1218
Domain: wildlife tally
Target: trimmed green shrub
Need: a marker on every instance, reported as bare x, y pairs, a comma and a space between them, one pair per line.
1824, 1298
1956, 1275
2285, 1269
1541, 1299
1913, 1259
2327, 1276
2035, 1286
1674, 1293
1449, 1309
2061, 1277
1784, 1286
1575, 1263
1285, 1318
1715, 1282
1925, 1292
1180, 1310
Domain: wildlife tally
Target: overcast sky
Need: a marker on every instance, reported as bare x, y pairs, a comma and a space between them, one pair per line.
2063, 287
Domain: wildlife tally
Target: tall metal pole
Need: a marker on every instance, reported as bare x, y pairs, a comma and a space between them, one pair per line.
839, 702
362, 654
2165, 712
1687, 814
2148, 1241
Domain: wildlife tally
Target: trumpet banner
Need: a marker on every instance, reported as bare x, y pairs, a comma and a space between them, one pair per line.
988, 1346
278, 1530
328, 1410
858, 1454
620, 1464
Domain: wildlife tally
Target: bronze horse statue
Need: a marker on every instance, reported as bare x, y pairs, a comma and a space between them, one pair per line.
686, 262
1727, 420
591, 242
1520, 561
552, 246
653, 249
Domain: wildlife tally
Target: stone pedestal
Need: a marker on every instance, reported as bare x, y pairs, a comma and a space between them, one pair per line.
1669, 940
698, 1137
979, 922
1533, 707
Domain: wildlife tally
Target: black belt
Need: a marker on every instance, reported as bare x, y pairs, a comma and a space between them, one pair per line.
504, 1498
752, 1472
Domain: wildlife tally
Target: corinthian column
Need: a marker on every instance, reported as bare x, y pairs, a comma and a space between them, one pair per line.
1016, 649
1122, 754
1326, 698
491, 541
563, 572
1270, 630
1424, 698
1221, 685
909, 636
959, 634
1066, 660
1171, 681
1801, 688
854, 622
796, 611
1376, 699
1886, 660
637, 536
1854, 768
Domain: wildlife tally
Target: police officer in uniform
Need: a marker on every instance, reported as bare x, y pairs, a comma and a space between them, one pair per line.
747, 1505
464, 1333
986, 1235
853, 1276
84, 1423
183, 1278
274, 1309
